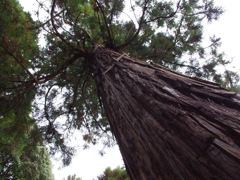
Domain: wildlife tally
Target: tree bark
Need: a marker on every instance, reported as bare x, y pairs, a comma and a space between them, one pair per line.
168, 125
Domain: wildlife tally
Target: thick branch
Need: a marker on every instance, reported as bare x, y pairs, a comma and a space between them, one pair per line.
106, 24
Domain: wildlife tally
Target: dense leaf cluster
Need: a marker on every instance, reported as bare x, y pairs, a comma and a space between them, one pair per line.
22, 151
114, 174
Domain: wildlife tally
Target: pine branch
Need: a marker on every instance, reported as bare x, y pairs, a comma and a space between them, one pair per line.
82, 51
140, 23
19, 62
111, 40
46, 22
69, 62
19, 99
165, 17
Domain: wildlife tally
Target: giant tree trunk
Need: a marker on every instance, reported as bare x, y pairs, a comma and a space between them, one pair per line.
167, 125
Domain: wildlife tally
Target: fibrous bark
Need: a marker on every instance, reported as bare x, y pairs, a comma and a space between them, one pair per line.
168, 125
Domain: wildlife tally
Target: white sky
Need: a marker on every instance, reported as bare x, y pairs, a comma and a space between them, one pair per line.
228, 29
88, 164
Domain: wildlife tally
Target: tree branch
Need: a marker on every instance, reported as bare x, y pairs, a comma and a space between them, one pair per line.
111, 40
45, 104
170, 62
18, 99
141, 22
165, 17
21, 64
133, 10
46, 22
60, 36
69, 62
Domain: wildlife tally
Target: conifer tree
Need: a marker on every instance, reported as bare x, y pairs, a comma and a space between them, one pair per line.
23, 154
167, 125
114, 174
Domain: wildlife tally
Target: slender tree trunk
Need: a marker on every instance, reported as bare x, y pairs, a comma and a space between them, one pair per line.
167, 125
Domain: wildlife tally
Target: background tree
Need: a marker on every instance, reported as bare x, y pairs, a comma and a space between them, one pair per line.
16, 94
114, 174
22, 151
160, 32
73, 177
32, 162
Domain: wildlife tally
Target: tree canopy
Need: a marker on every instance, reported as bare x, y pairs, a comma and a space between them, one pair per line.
73, 177
117, 173
22, 151
58, 77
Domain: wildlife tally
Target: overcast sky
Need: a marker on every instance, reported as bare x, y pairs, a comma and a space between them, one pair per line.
228, 29
88, 164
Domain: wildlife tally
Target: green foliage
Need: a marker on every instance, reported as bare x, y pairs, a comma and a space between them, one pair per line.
18, 46
32, 162
73, 177
114, 174
15, 41
22, 152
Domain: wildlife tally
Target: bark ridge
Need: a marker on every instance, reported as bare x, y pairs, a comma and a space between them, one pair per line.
168, 125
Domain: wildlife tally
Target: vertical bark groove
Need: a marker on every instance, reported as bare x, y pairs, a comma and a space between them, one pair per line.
167, 125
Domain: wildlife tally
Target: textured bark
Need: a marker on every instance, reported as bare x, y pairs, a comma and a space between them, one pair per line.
167, 125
